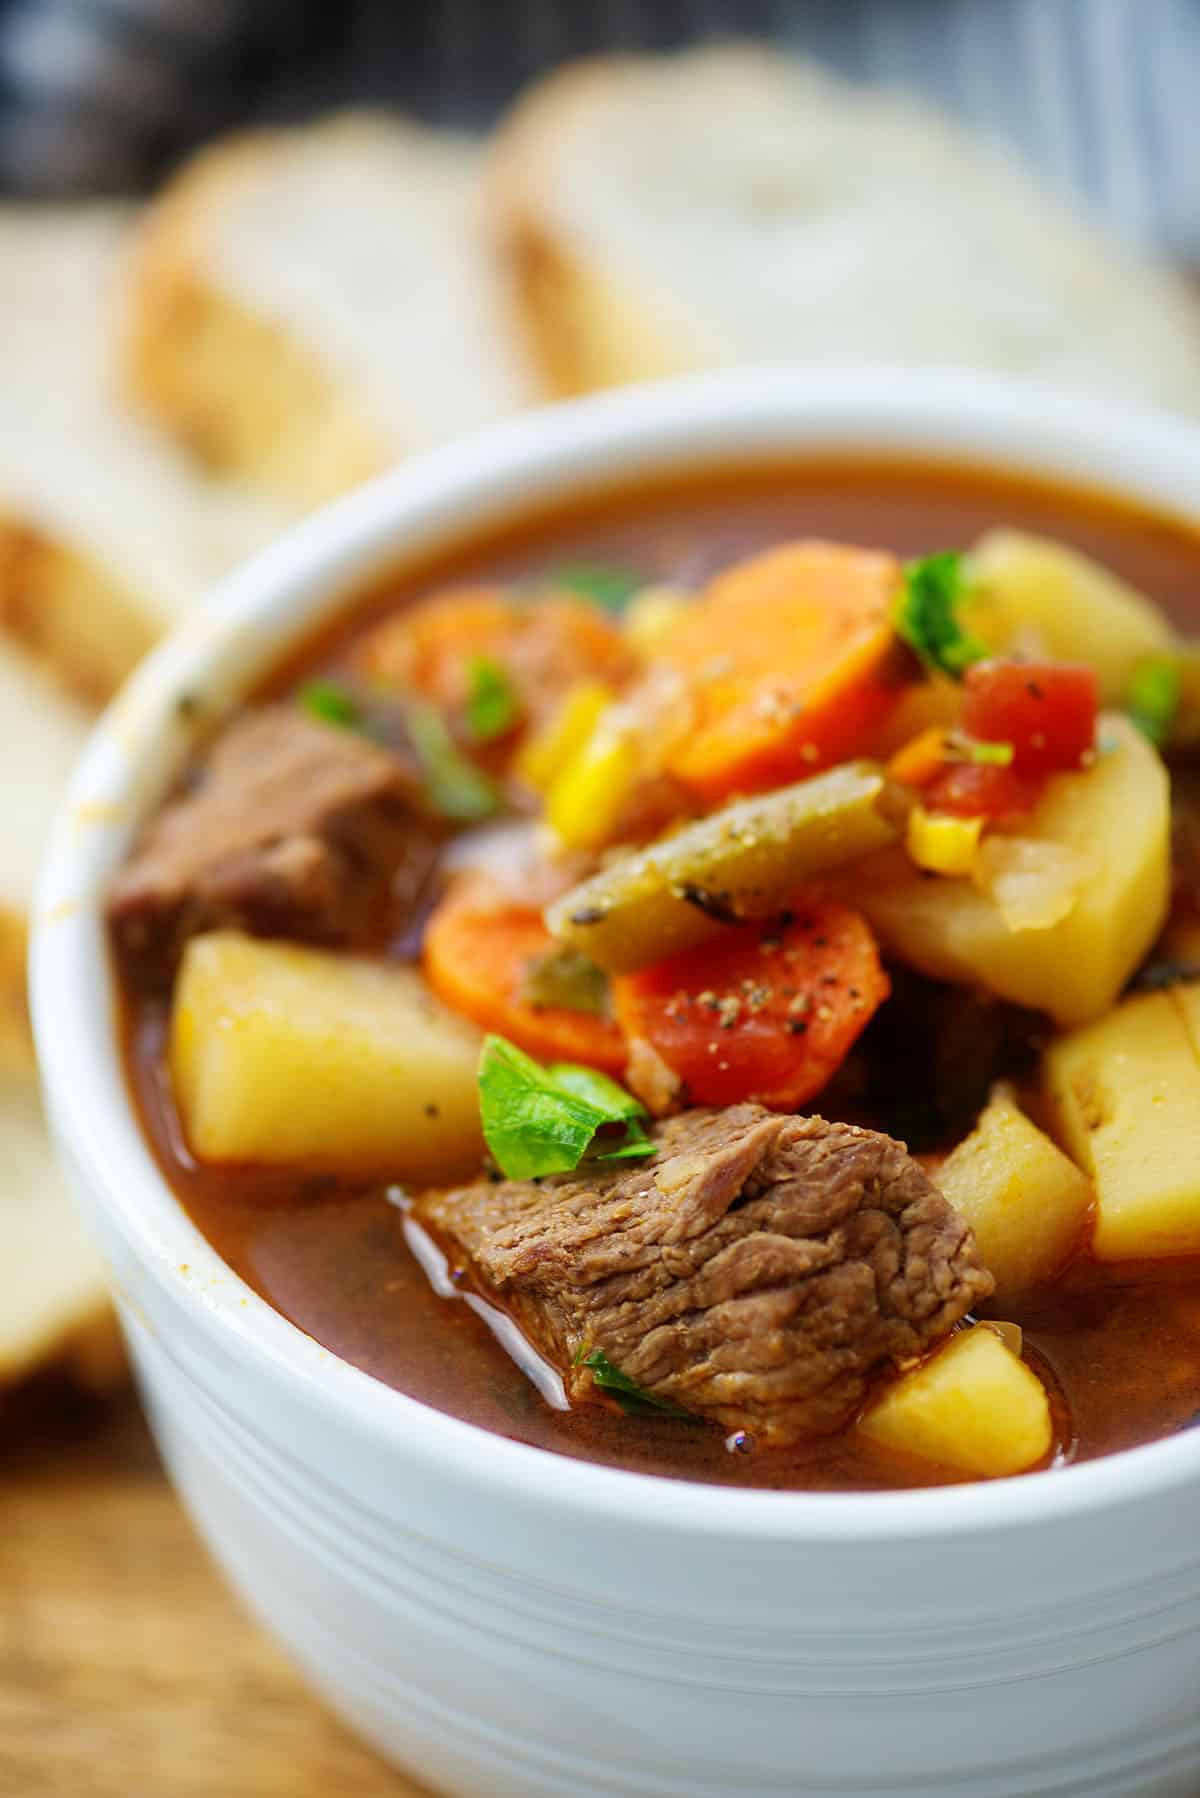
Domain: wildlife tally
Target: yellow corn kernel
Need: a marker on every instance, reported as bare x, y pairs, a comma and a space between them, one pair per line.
942, 844
542, 759
587, 798
651, 615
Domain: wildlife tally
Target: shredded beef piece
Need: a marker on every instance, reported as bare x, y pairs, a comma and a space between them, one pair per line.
757, 1271
291, 828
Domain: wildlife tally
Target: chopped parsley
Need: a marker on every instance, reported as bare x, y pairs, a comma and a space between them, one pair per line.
545, 1120
987, 755
926, 614
492, 703
1152, 697
607, 587
331, 702
632, 1398
454, 786
566, 980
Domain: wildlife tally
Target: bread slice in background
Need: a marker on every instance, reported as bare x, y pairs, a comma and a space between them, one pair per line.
54, 1304
107, 534
731, 205
42, 730
309, 304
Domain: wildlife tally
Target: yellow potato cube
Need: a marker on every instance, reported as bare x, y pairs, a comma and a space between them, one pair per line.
1111, 825
1025, 1201
286, 1055
1123, 1098
1032, 594
974, 1406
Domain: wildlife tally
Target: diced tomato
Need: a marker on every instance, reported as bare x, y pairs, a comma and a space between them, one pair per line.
763, 1012
1047, 711
982, 790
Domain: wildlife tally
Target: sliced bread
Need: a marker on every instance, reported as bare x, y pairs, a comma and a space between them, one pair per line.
107, 534
41, 733
53, 1292
307, 305
731, 205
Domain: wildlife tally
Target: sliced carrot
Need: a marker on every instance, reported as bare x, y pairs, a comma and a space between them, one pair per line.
766, 1013
478, 950
544, 646
791, 660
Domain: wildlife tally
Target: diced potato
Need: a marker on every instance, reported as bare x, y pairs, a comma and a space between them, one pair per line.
1030, 593
286, 1055
1111, 824
743, 861
1026, 1202
1123, 1098
974, 1406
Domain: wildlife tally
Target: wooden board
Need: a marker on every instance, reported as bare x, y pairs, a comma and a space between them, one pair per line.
126, 1668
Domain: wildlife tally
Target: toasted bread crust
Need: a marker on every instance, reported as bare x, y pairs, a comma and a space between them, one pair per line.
16, 1042
582, 328
69, 611
730, 205
238, 390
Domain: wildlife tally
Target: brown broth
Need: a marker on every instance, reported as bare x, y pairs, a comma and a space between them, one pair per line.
1119, 1346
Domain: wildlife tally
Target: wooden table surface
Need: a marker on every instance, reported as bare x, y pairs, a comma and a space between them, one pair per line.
126, 1668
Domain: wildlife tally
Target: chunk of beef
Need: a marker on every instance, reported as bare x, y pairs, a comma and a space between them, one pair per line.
757, 1271
292, 828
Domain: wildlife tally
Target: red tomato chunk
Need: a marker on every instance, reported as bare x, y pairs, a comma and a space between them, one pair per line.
1047, 711
982, 790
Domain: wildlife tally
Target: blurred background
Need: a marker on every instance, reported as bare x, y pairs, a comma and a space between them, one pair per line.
199, 343
101, 95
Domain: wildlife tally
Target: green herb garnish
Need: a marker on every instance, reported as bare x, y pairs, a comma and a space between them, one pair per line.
544, 1120
332, 703
454, 786
492, 703
632, 1398
566, 980
926, 614
609, 588
988, 755
1152, 697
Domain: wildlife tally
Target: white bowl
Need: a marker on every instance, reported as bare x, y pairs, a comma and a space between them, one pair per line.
508, 1622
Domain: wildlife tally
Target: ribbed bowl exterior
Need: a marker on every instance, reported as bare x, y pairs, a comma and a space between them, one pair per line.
504, 1622
510, 1652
